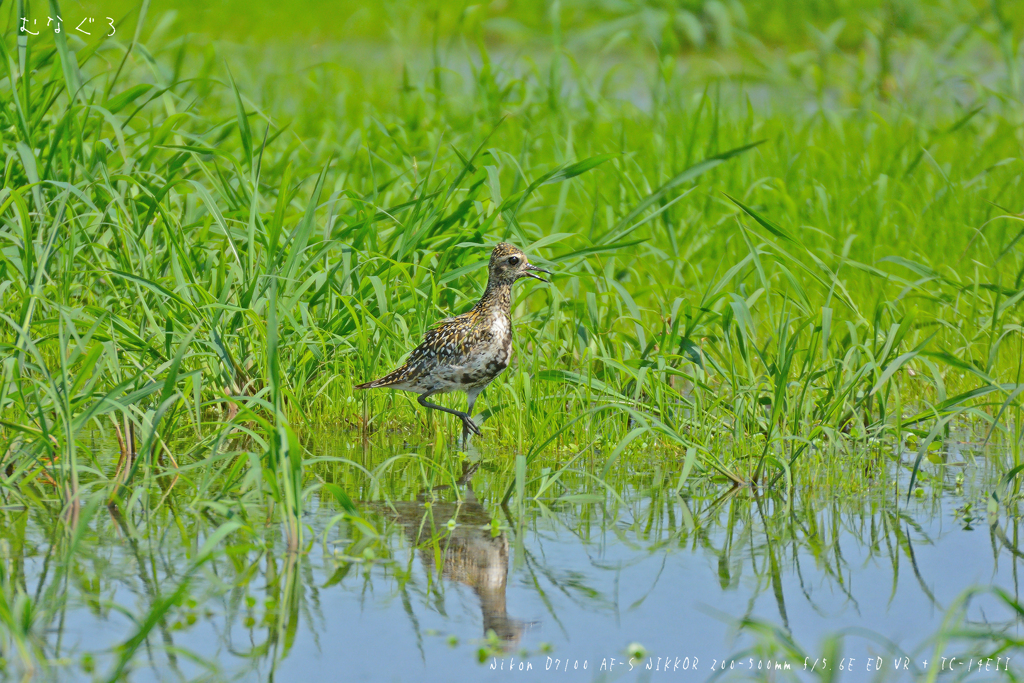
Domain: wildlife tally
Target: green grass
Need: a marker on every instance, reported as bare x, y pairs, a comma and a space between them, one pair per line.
190, 250
685, 26
800, 268
773, 253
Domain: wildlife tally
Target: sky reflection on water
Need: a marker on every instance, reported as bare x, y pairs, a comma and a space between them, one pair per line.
426, 588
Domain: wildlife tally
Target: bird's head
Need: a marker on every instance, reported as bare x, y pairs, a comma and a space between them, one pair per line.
509, 263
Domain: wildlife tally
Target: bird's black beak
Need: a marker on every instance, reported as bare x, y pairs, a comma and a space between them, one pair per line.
530, 267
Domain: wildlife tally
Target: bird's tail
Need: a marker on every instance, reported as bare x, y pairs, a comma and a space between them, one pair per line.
394, 377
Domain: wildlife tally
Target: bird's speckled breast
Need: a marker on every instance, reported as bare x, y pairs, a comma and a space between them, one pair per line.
492, 355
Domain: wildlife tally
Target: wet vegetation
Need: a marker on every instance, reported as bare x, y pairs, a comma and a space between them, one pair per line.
787, 291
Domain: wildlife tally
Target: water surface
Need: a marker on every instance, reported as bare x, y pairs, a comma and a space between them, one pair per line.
439, 581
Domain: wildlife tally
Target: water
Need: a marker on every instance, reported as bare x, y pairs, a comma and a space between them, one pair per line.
444, 583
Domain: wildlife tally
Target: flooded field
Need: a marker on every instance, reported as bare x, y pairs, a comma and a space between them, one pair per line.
761, 418
439, 581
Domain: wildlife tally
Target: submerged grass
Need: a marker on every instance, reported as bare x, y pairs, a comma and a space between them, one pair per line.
172, 591
763, 263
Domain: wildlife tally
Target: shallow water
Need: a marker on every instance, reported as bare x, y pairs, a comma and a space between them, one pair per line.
443, 583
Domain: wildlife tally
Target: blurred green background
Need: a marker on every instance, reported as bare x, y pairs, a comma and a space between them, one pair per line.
664, 25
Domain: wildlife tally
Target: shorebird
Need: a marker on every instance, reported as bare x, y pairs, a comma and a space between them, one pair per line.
470, 554
466, 352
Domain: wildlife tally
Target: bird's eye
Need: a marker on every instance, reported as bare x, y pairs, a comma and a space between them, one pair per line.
512, 260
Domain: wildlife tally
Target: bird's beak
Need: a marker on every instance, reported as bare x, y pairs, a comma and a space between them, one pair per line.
530, 267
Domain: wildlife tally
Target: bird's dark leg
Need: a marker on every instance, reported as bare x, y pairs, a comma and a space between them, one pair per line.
467, 421
470, 399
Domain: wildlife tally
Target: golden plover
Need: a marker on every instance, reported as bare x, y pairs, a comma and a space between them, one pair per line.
466, 352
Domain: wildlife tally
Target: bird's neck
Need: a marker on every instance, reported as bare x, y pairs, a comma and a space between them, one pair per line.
497, 298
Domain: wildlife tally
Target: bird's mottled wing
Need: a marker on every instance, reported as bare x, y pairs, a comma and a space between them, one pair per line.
447, 343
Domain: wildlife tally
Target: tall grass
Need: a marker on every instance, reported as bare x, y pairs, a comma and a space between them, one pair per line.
185, 268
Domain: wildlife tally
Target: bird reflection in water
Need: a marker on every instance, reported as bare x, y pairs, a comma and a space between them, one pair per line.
470, 553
